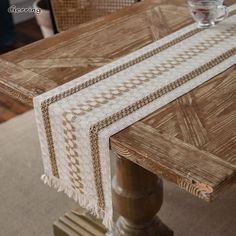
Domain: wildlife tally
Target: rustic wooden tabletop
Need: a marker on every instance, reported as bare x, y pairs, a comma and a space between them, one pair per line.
191, 141
199, 127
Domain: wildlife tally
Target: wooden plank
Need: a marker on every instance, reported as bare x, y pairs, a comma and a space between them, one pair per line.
197, 171
12, 105
204, 118
21, 83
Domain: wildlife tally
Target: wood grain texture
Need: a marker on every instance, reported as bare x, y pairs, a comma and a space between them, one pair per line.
174, 160
204, 118
10, 108
22, 81
26, 32
197, 130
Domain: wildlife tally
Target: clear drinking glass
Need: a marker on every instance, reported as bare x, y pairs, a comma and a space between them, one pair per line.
207, 12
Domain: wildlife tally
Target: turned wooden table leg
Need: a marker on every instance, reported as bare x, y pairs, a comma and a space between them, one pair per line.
137, 197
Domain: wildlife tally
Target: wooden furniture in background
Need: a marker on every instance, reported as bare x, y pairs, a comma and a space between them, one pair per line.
70, 13
190, 142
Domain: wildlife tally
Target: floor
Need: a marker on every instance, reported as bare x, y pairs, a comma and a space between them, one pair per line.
26, 32
28, 207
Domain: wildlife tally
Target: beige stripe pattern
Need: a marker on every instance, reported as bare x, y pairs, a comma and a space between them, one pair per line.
45, 105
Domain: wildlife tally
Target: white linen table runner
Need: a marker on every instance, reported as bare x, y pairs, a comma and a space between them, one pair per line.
75, 120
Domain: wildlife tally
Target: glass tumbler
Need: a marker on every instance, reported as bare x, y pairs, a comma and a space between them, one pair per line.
207, 12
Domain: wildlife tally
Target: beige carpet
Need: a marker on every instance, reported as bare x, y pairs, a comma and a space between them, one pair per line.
28, 207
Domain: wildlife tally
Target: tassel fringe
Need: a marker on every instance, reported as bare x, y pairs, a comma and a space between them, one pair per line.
92, 207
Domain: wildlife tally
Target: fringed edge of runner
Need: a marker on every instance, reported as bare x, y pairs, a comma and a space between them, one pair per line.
106, 216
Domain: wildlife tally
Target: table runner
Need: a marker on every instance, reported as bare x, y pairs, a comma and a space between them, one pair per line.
75, 120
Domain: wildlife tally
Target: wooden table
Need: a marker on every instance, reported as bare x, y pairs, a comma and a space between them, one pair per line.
190, 142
